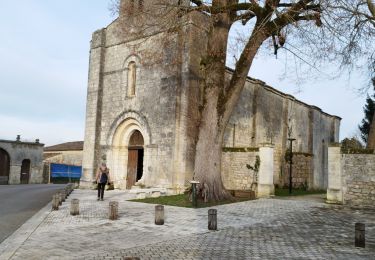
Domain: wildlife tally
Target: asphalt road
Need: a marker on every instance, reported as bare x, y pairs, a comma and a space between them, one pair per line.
20, 202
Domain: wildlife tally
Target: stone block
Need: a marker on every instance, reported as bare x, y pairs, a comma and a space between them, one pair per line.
155, 194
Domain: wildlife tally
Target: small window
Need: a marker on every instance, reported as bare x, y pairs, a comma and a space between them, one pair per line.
140, 5
132, 78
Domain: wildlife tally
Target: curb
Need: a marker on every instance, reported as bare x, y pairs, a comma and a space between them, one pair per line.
11, 244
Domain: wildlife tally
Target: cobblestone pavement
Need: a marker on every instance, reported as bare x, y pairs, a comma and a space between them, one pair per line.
260, 229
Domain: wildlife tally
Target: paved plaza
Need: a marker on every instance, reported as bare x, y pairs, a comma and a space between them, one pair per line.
260, 229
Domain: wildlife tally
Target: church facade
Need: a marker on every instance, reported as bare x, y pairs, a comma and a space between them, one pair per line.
143, 106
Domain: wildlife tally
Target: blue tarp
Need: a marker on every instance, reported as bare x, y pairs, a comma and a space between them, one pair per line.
67, 171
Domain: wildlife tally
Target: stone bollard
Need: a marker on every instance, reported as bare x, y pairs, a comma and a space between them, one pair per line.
74, 207
212, 219
62, 192
360, 239
55, 202
59, 196
159, 215
113, 210
70, 188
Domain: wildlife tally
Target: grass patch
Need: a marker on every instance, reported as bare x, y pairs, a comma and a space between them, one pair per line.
297, 192
182, 200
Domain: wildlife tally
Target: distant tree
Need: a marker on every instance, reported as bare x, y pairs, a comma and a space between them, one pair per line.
368, 120
354, 32
351, 143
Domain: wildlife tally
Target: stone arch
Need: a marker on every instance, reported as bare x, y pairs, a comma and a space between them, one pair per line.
138, 119
118, 141
4, 166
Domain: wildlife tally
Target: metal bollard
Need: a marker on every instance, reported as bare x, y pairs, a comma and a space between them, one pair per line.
55, 202
360, 239
159, 215
74, 207
113, 210
212, 219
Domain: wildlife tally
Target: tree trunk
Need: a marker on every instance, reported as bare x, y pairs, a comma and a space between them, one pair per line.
208, 153
210, 137
371, 135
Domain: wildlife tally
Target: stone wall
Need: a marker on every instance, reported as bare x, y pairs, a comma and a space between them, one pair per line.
264, 114
257, 177
359, 179
64, 157
302, 171
235, 174
351, 179
18, 152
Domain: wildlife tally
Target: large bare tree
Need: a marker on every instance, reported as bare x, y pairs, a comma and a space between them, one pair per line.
270, 18
352, 25
267, 21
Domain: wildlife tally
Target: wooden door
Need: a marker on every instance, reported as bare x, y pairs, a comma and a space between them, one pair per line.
4, 167
132, 168
25, 171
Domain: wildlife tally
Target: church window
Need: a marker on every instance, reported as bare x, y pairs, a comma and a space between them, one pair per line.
132, 78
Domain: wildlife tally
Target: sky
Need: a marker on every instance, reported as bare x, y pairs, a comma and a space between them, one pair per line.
44, 55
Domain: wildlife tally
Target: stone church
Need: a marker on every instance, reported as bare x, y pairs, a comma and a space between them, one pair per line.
143, 105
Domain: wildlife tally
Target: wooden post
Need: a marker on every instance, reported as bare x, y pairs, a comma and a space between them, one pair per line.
159, 215
360, 239
55, 202
113, 210
212, 219
74, 207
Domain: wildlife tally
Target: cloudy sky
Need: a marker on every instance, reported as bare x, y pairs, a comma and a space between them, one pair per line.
44, 50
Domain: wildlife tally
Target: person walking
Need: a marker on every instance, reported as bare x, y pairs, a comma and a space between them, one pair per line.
102, 178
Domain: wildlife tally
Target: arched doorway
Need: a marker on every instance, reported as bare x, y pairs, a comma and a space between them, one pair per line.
135, 159
25, 171
4, 167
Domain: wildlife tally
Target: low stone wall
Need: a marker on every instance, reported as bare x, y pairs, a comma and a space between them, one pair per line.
351, 179
302, 171
358, 174
64, 157
249, 169
235, 174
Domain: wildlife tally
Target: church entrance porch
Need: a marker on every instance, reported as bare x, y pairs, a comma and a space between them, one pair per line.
129, 155
135, 159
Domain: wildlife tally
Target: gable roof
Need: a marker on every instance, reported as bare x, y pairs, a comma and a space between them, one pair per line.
69, 146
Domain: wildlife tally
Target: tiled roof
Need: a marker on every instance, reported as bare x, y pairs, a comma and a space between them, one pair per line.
69, 146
